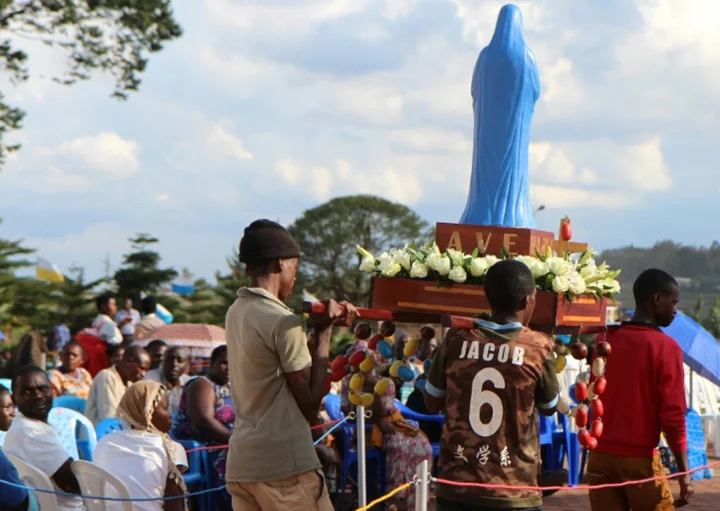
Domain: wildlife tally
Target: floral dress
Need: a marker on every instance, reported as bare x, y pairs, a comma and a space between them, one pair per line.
65, 384
404, 450
224, 413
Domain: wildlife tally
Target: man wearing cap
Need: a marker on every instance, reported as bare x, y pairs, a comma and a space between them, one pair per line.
277, 379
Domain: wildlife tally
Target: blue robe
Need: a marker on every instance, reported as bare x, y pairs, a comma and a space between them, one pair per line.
505, 88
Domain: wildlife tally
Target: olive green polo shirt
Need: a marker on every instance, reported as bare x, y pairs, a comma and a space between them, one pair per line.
272, 438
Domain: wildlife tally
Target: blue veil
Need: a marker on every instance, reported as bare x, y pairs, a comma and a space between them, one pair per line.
505, 88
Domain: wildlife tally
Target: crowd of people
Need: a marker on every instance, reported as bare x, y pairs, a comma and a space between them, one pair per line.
264, 392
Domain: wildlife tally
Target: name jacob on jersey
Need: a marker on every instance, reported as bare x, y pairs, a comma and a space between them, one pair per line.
490, 351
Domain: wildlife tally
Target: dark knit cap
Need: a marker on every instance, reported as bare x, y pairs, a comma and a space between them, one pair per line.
265, 240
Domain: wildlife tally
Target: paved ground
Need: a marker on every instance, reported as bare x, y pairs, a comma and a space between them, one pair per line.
707, 497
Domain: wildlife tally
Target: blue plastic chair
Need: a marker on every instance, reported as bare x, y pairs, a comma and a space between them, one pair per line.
6, 382
77, 433
199, 474
410, 414
349, 454
108, 426
565, 443
70, 402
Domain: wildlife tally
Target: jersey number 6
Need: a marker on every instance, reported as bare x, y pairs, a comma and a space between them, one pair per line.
480, 397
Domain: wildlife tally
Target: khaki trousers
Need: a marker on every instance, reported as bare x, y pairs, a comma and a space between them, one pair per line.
302, 492
651, 496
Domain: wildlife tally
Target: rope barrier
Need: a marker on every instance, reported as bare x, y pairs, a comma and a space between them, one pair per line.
324, 425
110, 499
319, 426
580, 487
385, 497
337, 425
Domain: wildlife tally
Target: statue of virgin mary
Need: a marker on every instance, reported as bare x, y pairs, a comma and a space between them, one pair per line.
505, 88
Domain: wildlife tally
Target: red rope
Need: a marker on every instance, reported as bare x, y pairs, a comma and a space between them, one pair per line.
581, 487
319, 426
216, 447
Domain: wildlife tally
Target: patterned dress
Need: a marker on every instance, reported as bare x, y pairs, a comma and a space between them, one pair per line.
404, 450
65, 384
185, 430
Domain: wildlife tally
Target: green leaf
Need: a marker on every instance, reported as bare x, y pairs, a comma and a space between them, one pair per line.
584, 258
613, 274
475, 252
363, 252
540, 256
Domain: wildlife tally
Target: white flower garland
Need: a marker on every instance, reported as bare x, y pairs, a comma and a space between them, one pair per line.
572, 276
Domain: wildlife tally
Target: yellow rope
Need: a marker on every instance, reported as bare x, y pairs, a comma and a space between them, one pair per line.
385, 497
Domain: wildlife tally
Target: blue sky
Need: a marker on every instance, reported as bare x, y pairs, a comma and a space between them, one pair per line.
267, 108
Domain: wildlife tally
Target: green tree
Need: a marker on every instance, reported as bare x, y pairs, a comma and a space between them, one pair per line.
141, 272
201, 306
76, 300
13, 256
712, 321
697, 313
227, 286
328, 234
113, 36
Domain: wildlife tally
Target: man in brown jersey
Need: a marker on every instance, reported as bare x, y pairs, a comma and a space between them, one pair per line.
490, 381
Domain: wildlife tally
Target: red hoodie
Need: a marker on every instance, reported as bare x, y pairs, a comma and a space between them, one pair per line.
645, 393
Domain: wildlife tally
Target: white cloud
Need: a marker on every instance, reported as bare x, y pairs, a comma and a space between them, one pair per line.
282, 18
106, 152
288, 169
562, 197
163, 197
221, 142
431, 140
640, 166
322, 183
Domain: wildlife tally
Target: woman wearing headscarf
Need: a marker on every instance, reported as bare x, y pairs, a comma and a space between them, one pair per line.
144, 457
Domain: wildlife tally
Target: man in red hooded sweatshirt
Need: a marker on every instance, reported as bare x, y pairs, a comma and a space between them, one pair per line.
645, 394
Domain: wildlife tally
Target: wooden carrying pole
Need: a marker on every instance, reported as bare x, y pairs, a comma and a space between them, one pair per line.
447, 321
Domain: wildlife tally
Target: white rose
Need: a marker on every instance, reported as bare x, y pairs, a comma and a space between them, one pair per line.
478, 266
418, 270
432, 259
443, 266
491, 260
457, 274
527, 260
576, 284
558, 265
560, 284
540, 269
537, 267
457, 257
402, 258
387, 265
368, 264
611, 286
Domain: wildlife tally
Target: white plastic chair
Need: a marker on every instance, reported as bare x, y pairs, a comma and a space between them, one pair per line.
2, 437
95, 481
32, 477
67, 422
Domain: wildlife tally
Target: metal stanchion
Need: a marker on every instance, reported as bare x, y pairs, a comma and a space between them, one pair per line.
362, 481
422, 476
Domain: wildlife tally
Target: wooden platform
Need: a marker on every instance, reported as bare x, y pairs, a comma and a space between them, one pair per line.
422, 301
